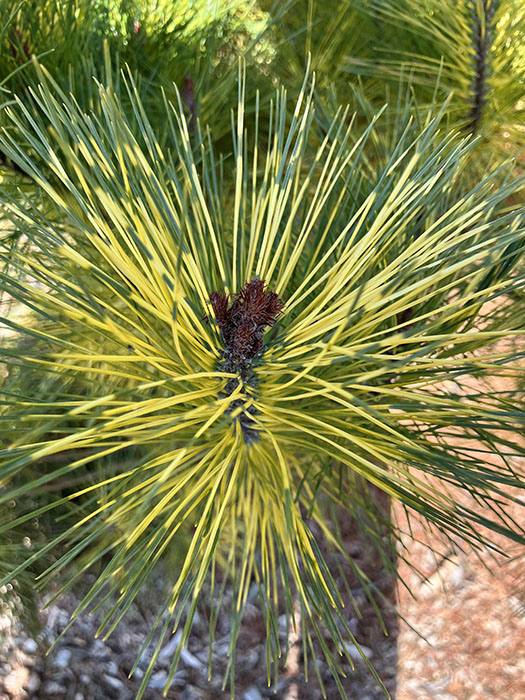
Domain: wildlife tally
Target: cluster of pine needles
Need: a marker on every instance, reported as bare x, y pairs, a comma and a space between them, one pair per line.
225, 344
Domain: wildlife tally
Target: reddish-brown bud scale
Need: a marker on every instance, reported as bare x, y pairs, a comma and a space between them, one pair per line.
242, 324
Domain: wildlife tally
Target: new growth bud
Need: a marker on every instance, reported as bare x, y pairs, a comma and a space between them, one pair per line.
243, 323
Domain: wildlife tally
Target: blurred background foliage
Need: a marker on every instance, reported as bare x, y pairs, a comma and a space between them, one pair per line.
365, 53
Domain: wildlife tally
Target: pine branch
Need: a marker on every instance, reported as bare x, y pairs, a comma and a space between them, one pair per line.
481, 42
